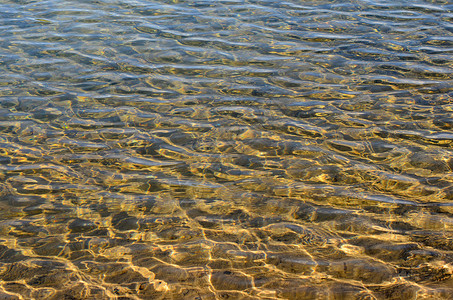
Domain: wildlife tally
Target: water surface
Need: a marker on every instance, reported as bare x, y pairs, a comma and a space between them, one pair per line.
226, 149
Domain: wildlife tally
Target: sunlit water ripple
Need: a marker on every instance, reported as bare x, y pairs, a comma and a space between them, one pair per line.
226, 149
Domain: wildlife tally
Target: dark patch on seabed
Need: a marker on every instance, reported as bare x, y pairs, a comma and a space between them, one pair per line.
230, 149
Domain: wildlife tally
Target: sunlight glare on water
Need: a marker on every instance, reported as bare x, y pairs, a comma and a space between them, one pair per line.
234, 149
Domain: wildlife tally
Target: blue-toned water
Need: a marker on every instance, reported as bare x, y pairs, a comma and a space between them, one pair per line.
226, 149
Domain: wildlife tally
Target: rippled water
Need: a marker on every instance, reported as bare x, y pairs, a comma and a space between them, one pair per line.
226, 149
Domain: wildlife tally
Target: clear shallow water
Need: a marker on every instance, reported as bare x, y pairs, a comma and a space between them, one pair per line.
226, 149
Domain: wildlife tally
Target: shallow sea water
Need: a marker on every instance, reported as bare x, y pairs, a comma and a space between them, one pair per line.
226, 149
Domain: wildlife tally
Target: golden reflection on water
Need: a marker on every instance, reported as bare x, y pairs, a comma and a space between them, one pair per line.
226, 150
